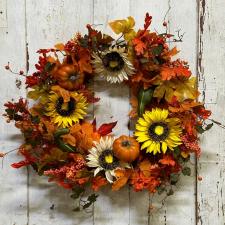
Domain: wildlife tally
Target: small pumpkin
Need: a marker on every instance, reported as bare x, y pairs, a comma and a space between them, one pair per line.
69, 76
126, 148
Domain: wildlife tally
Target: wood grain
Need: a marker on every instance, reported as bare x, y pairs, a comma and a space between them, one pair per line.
211, 67
13, 183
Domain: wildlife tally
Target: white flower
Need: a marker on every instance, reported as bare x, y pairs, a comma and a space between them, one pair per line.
113, 65
101, 157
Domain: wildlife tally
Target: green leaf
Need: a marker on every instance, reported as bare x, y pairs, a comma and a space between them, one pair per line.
176, 152
174, 177
186, 171
63, 146
144, 98
77, 191
201, 130
209, 126
90, 200
157, 50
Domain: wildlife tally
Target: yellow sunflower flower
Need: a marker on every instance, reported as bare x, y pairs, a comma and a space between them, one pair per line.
66, 112
157, 132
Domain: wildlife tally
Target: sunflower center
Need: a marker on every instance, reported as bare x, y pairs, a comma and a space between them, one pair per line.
158, 131
113, 61
65, 108
107, 160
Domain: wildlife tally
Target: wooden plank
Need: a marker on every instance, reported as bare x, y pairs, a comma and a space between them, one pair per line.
111, 207
140, 202
13, 183
50, 22
3, 13
211, 167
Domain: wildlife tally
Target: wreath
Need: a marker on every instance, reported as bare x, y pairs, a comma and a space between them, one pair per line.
61, 144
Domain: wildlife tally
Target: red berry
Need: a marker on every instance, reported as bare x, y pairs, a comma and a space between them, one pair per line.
7, 67
164, 23
21, 72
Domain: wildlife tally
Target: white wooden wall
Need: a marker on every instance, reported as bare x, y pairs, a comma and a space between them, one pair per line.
27, 25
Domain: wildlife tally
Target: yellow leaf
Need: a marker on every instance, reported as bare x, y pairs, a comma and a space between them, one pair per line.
125, 27
182, 89
59, 46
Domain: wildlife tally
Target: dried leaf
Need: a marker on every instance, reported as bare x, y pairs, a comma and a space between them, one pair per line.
122, 176
167, 160
106, 128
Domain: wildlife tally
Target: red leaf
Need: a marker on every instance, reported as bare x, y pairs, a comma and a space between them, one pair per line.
106, 128
21, 164
167, 160
148, 20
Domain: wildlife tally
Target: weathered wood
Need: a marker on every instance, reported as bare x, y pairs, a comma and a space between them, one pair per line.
211, 166
13, 183
50, 22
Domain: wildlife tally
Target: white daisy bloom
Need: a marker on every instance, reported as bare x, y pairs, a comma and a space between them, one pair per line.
101, 157
113, 65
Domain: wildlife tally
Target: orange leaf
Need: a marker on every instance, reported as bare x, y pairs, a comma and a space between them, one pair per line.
64, 93
168, 73
139, 46
167, 160
60, 46
122, 176
145, 167
98, 182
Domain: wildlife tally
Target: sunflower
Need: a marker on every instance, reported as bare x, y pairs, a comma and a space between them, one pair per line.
113, 65
157, 132
66, 113
102, 157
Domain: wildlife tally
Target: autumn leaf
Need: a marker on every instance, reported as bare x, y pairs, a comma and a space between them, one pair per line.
62, 92
145, 167
125, 27
182, 89
167, 160
184, 106
98, 182
139, 46
168, 73
55, 155
168, 54
106, 128
60, 46
122, 176
21, 164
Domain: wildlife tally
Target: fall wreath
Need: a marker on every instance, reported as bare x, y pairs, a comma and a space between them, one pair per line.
73, 152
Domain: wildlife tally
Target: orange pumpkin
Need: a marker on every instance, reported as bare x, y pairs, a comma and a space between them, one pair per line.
126, 148
68, 76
